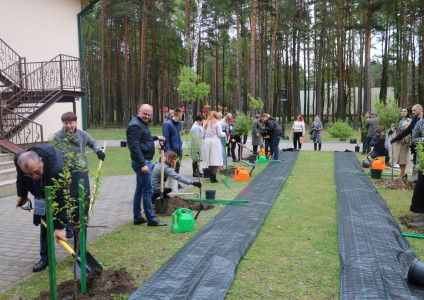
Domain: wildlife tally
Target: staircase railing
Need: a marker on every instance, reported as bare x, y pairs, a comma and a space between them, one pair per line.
19, 129
61, 73
10, 62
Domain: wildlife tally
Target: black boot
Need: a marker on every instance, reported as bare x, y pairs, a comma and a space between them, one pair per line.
213, 178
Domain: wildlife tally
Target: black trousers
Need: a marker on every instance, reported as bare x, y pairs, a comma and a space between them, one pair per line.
296, 140
268, 147
417, 204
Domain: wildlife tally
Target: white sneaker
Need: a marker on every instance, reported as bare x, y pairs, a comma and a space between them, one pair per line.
396, 166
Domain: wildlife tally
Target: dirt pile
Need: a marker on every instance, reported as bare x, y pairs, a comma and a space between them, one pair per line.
175, 203
413, 222
231, 171
399, 185
101, 284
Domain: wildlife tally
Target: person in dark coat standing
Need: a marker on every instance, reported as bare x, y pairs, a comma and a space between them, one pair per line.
256, 133
417, 110
417, 204
172, 133
142, 149
36, 168
273, 129
371, 125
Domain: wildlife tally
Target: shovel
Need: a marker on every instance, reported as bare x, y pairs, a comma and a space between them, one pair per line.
161, 205
90, 209
91, 262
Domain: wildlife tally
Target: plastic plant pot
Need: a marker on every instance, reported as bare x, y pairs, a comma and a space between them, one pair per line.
376, 173
416, 272
210, 194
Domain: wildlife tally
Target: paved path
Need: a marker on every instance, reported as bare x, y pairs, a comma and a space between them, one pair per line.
19, 239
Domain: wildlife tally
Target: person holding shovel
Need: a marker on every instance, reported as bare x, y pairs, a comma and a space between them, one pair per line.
169, 170
142, 149
273, 129
36, 168
72, 139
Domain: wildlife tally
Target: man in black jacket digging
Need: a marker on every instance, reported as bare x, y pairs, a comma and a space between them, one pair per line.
274, 131
36, 168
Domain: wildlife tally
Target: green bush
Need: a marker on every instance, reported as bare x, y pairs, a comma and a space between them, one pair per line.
340, 130
242, 124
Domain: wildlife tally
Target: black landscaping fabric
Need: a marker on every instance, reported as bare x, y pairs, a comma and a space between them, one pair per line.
374, 256
205, 267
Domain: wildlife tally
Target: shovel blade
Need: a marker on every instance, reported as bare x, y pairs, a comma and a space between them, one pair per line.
90, 264
161, 205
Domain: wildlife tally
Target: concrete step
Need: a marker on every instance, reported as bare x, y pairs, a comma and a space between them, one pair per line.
6, 157
7, 165
7, 187
7, 174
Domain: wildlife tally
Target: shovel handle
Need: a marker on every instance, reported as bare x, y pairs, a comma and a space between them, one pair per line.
63, 243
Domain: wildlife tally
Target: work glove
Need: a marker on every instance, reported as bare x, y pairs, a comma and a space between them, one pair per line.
263, 128
392, 141
101, 155
197, 184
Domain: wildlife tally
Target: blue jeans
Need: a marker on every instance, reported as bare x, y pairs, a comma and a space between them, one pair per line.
143, 190
275, 143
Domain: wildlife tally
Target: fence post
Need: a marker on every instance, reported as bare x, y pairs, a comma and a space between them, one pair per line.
50, 243
60, 72
82, 220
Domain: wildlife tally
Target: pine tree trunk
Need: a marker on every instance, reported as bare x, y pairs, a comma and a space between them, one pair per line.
238, 95
252, 73
102, 66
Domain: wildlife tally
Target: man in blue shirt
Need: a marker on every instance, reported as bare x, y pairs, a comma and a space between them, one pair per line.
172, 133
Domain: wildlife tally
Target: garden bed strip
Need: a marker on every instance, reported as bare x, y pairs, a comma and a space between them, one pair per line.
205, 266
374, 256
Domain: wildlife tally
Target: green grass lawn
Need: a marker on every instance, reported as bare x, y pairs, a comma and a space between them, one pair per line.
119, 134
294, 256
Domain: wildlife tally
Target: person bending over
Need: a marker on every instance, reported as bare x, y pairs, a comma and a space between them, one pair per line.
169, 170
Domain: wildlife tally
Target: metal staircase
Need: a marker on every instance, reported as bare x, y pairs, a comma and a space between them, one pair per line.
29, 89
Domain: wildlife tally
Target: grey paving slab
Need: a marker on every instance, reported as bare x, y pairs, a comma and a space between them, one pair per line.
19, 238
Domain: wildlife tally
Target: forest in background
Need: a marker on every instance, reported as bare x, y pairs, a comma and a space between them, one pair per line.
135, 51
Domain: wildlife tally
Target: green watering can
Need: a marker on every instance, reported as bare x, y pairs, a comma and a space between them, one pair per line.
261, 158
182, 221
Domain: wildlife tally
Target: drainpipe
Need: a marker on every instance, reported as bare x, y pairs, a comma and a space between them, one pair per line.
86, 10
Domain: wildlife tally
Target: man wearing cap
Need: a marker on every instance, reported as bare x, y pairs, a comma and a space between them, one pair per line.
378, 142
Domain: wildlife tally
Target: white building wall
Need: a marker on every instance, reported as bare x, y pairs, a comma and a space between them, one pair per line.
51, 118
40, 29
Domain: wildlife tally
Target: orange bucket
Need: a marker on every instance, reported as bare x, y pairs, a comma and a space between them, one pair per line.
378, 163
242, 174
262, 151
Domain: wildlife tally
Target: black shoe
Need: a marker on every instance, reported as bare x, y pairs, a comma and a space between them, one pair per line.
197, 175
235, 160
417, 211
141, 221
156, 223
180, 187
40, 266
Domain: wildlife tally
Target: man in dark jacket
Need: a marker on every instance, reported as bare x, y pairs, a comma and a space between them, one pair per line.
274, 131
378, 142
36, 168
371, 125
417, 110
171, 132
142, 149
